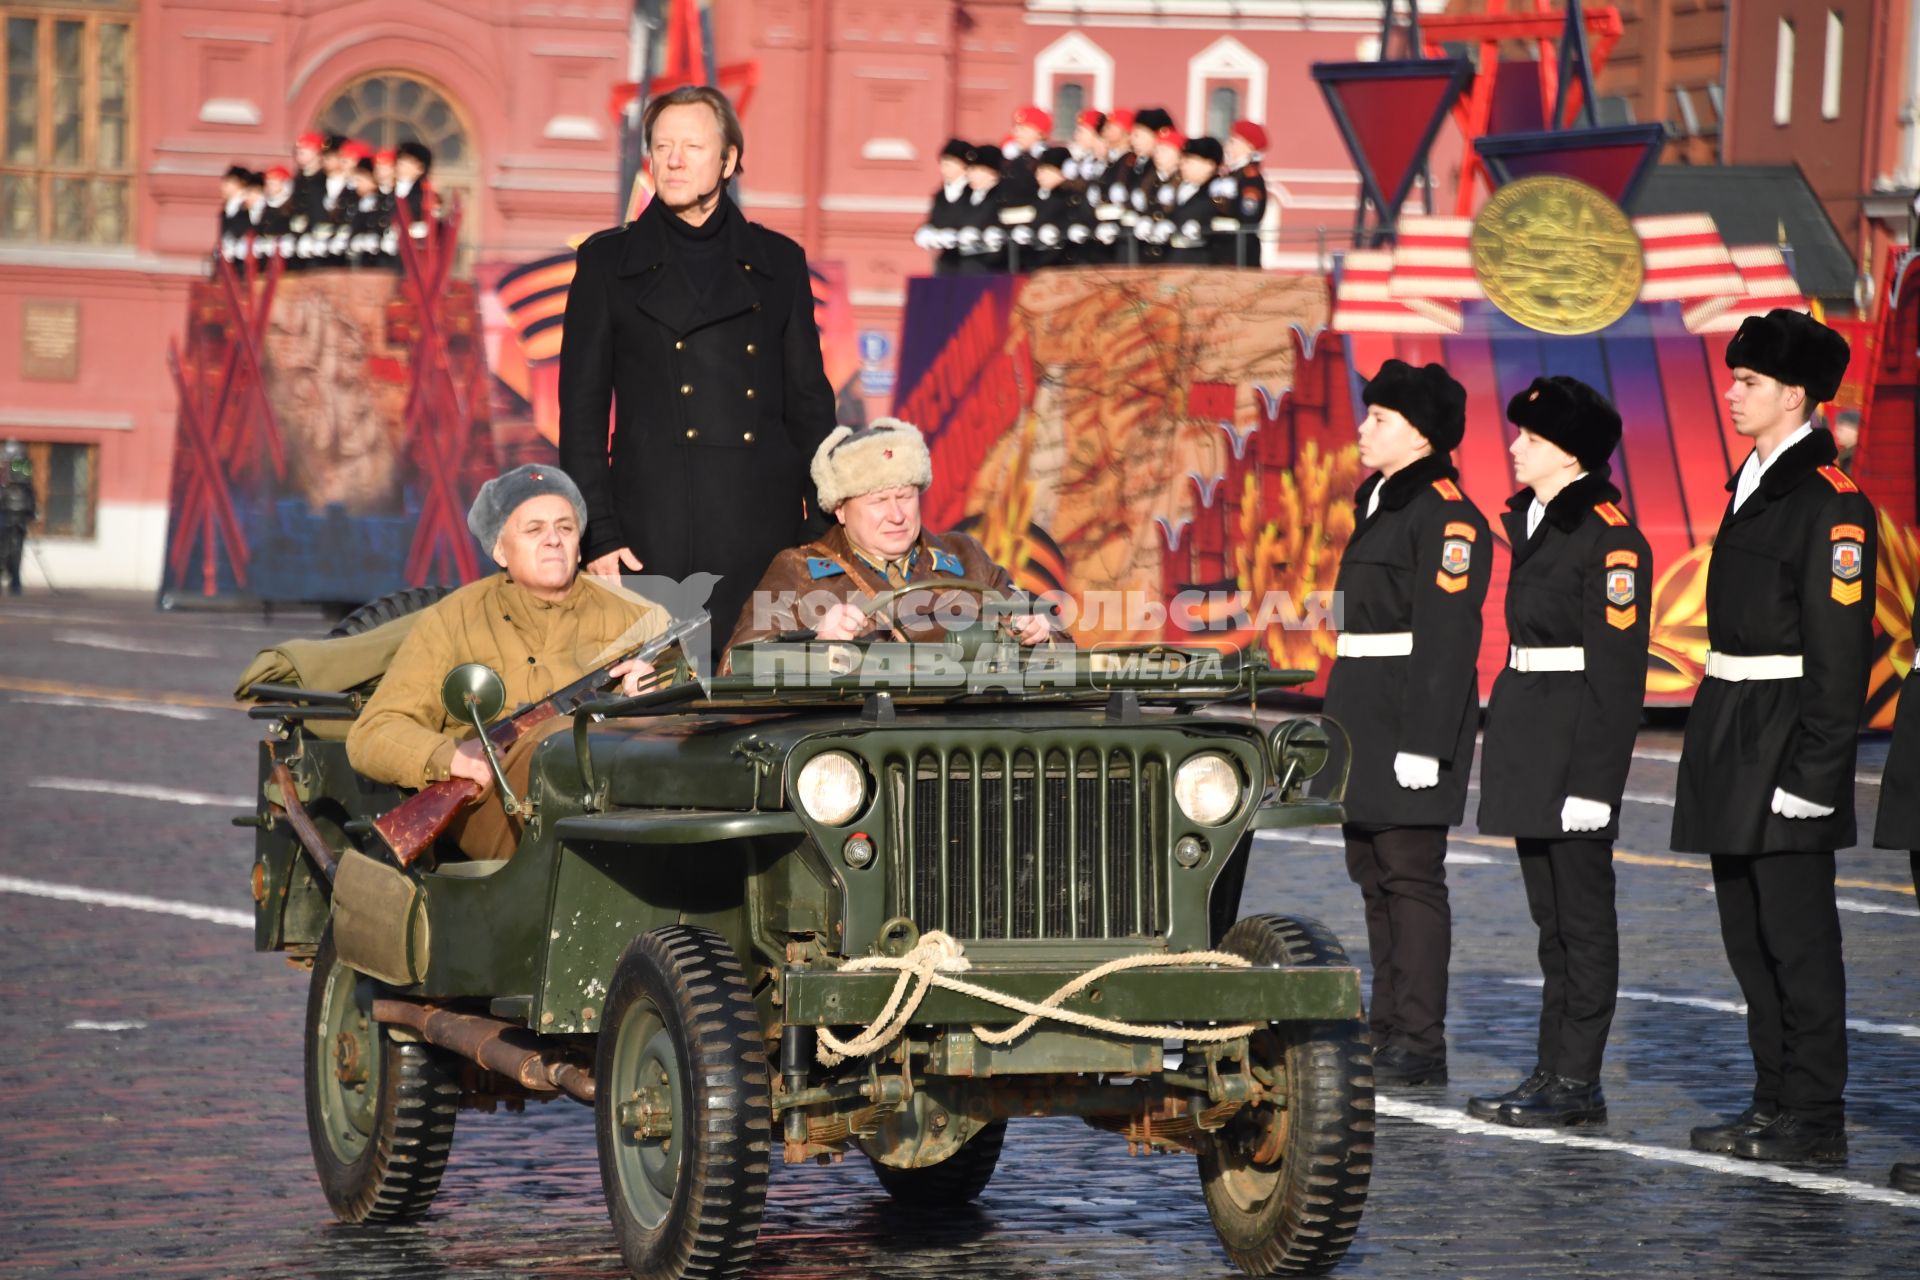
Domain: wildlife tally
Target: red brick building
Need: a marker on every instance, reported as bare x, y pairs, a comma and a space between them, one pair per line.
121, 114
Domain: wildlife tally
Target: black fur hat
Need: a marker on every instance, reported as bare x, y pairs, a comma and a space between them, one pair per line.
418, 152
238, 173
1206, 149
1054, 158
1572, 415
956, 149
1427, 397
1793, 348
986, 156
1152, 119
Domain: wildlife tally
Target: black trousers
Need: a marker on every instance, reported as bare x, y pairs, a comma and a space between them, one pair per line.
1570, 896
13, 544
1782, 934
1402, 876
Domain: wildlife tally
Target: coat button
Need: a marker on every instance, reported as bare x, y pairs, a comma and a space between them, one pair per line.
749, 348
530, 661
693, 433
747, 436
746, 266
749, 393
686, 388
679, 346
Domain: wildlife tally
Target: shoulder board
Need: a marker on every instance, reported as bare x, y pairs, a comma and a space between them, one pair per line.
948, 563
1610, 513
602, 235
821, 567
1448, 490
1840, 480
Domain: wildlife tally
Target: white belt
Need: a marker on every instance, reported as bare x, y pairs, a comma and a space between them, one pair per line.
1772, 666
1383, 644
1573, 658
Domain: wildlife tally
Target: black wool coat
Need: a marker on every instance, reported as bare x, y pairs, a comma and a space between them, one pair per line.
1792, 573
1898, 826
1420, 563
1583, 581
718, 403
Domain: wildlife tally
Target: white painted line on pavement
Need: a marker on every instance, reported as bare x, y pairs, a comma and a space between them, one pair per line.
93, 640
118, 704
1455, 857
1825, 1183
140, 791
1733, 1006
88, 1024
127, 901
1874, 908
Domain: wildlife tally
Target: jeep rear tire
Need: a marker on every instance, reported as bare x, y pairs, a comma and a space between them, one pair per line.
396, 604
957, 1180
379, 1113
1285, 1187
682, 1110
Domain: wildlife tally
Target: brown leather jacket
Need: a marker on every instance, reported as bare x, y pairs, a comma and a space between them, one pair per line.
803, 582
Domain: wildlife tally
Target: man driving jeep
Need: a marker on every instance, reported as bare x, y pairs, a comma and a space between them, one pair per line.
871, 479
538, 623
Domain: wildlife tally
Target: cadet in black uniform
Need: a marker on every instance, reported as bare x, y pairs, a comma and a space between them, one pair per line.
939, 234
1088, 153
1245, 189
1766, 771
1899, 827
1196, 205
235, 220
981, 239
1560, 730
1413, 578
1062, 224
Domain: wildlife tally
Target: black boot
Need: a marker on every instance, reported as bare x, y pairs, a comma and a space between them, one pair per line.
1906, 1177
1396, 1065
1483, 1107
1794, 1139
1719, 1138
1560, 1101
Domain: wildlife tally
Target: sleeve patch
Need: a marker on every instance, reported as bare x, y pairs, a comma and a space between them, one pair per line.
1842, 532
1631, 559
1848, 560
821, 567
1620, 586
1456, 557
1610, 513
1461, 529
1622, 619
1840, 480
948, 563
1447, 489
1845, 592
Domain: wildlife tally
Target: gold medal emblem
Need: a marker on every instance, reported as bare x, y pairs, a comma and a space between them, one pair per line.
1557, 255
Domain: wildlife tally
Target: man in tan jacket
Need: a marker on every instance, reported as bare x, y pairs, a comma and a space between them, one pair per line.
871, 480
539, 623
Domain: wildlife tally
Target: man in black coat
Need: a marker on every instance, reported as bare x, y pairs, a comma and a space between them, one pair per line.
940, 234
1198, 215
1411, 583
696, 329
1766, 770
1898, 827
1062, 225
981, 240
1560, 731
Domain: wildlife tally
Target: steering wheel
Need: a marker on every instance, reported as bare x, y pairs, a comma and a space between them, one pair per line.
883, 600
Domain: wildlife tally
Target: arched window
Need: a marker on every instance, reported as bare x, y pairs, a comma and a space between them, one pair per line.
1223, 108
388, 108
1069, 100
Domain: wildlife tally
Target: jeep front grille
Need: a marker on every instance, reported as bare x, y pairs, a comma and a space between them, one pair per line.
1068, 850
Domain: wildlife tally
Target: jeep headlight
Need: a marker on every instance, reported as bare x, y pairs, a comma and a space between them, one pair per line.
1208, 788
832, 787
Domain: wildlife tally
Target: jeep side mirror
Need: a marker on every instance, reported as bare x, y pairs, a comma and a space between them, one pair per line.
474, 692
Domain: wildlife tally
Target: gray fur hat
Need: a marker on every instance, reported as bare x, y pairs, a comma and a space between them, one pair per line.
501, 496
881, 455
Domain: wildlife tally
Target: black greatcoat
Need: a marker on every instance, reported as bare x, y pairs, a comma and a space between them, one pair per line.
718, 403
1898, 826
1792, 572
1403, 570
1581, 582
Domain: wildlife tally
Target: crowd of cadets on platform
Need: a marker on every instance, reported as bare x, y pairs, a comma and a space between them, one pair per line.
1130, 189
342, 204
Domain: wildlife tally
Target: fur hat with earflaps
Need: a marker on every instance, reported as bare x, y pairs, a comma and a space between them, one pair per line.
1572, 415
1428, 397
884, 454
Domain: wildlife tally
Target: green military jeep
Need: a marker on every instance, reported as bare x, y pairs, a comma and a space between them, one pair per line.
878, 897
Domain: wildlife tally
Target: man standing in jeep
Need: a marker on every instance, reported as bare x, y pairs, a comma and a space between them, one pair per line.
695, 328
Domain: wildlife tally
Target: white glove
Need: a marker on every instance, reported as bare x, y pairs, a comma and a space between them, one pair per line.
1107, 232
1050, 235
1022, 236
927, 237
994, 238
1584, 815
969, 239
947, 237
1789, 805
1416, 773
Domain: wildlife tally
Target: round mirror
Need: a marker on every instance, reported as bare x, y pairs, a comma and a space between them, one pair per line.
473, 689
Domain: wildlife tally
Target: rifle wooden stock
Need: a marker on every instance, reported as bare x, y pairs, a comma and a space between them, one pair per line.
416, 822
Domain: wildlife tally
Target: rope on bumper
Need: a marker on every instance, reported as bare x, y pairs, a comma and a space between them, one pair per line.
939, 957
